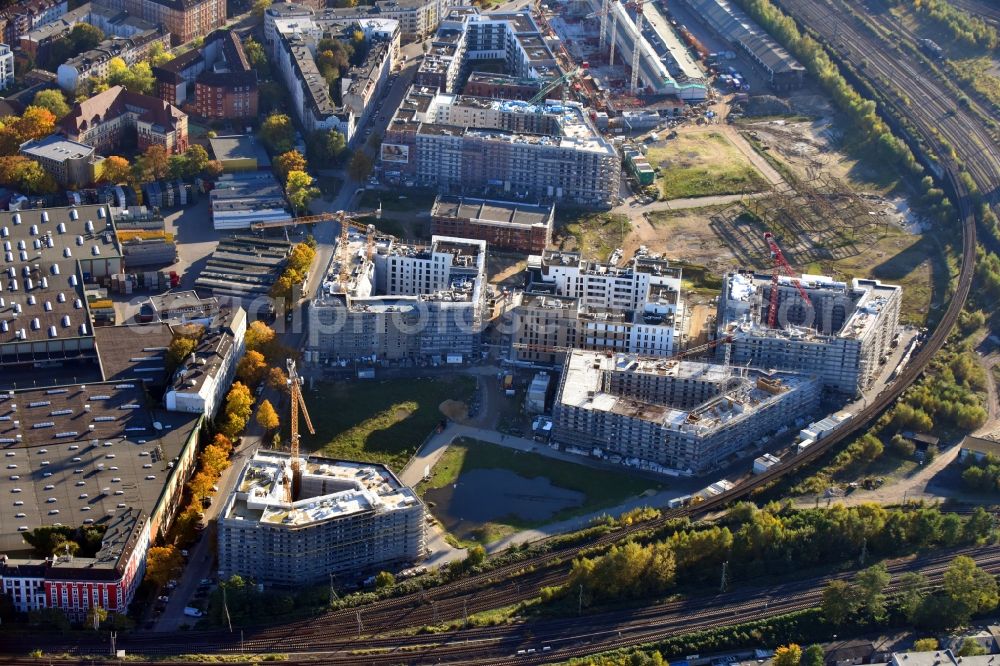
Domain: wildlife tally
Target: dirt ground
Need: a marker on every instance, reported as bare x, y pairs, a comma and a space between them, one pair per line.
454, 410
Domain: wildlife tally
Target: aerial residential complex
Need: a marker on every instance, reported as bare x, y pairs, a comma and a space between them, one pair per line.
842, 338
403, 302
349, 519
570, 302
215, 79
680, 415
465, 36
183, 19
468, 145
95, 63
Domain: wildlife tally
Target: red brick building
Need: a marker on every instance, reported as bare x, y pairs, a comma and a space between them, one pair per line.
504, 225
184, 19
215, 81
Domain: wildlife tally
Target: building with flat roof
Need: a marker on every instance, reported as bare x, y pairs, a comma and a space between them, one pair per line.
504, 225
50, 254
348, 520
95, 454
116, 116
842, 335
69, 162
570, 302
183, 306
404, 302
680, 415
240, 199
239, 152
507, 148
244, 268
6, 67
134, 352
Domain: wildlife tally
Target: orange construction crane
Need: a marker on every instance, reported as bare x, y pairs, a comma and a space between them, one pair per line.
780, 262
297, 403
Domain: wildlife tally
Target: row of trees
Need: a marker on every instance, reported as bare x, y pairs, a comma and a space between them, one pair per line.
873, 131
299, 260
755, 542
965, 28
290, 168
966, 590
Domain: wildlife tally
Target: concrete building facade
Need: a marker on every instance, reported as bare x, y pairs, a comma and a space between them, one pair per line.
348, 520
117, 115
506, 148
842, 337
70, 163
573, 303
407, 302
680, 415
504, 225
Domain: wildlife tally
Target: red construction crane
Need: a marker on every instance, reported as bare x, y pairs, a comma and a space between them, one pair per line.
780, 262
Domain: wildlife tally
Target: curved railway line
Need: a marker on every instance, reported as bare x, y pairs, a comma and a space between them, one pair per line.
931, 112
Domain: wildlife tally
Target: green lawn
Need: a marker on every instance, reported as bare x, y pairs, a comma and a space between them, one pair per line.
703, 164
602, 488
595, 235
381, 422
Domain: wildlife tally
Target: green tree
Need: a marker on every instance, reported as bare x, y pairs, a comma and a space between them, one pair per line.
787, 655
277, 133
840, 601
158, 55
871, 584
83, 37
300, 190
971, 648
95, 616
969, 589
137, 78
475, 556
912, 590
925, 645
360, 166
53, 100
384, 579
813, 656
197, 160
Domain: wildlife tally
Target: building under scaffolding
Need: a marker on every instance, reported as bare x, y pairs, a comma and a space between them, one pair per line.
681, 415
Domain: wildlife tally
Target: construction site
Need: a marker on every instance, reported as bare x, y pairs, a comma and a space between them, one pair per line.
674, 416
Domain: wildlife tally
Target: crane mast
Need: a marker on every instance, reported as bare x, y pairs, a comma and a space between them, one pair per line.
782, 263
636, 48
297, 403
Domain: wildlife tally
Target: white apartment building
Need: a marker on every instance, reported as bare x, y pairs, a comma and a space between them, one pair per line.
6, 67
574, 303
200, 384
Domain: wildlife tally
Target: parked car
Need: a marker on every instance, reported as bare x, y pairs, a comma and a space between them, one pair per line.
192, 612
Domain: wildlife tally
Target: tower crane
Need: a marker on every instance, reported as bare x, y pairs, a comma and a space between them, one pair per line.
636, 47
297, 403
782, 263
553, 84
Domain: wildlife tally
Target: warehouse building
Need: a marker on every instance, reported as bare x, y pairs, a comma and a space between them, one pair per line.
94, 454
782, 71
240, 199
349, 519
505, 148
49, 256
574, 303
244, 268
680, 415
405, 302
843, 337
504, 225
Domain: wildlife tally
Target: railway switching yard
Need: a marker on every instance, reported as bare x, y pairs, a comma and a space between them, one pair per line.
534, 332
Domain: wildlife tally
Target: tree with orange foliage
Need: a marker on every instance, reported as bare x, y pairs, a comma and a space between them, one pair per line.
214, 459
115, 170
251, 368
201, 484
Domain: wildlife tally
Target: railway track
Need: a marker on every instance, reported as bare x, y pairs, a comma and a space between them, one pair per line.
565, 637
932, 113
